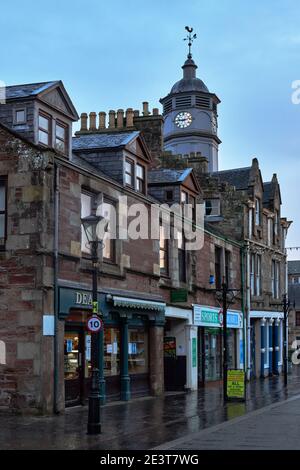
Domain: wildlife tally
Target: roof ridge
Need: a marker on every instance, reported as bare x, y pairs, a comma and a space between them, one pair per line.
232, 169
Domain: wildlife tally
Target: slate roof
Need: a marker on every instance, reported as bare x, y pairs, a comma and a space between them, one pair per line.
27, 90
165, 175
294, 267
238, 177
107, 140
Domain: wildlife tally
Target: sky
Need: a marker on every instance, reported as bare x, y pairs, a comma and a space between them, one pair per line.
118, 54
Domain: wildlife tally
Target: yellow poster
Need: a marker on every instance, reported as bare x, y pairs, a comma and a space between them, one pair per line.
236, 384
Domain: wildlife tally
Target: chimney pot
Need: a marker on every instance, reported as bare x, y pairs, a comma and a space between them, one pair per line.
145, 108
102, 118
83, 119
92, 121
155, 111
129, 117
120, 118
136, 113
112, 117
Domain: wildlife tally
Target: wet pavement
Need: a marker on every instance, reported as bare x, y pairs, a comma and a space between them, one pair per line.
143, 423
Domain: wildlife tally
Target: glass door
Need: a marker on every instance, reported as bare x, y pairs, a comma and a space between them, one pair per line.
213, 354
73, 366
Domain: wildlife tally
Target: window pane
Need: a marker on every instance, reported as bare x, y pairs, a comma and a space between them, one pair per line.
184, 197
86, 209
128, 179
128, 167
43, 137
20, 115
44, 123
138, 351
2, 198
59, 145
60, 132
111, 351
140, 171
2, 226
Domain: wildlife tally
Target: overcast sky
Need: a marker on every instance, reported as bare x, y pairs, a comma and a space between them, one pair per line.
117, 54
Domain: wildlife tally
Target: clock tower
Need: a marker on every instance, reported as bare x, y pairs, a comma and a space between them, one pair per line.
190, 115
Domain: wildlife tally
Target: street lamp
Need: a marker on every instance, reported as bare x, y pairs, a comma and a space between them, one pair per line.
90, 225
223, 293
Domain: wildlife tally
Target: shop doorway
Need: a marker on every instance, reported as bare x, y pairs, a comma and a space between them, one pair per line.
77, 365
209, 355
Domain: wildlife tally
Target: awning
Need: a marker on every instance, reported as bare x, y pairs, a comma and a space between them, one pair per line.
136, 303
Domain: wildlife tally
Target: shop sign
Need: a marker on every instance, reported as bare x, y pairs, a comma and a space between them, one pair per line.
213, 317
236, 384
169, 346
83, 298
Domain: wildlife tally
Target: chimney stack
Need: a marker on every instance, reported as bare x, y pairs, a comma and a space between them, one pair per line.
129, 117
112, 117
92, 121
84, 119
102, 117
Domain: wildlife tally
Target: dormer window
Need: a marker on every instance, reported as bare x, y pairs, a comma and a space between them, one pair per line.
140, 178
44, 129
61, 137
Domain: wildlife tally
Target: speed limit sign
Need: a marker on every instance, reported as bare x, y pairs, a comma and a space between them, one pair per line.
94, 324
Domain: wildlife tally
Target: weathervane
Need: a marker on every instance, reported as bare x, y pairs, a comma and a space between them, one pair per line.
190, 38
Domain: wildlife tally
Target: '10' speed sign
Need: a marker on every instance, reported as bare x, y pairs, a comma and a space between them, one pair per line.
94, 324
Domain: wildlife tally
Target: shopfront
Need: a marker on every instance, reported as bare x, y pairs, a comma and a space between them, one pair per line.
210, 342
266, 343
130, 362
180, 350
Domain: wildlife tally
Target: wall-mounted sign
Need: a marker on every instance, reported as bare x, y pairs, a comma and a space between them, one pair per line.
169, 346
236, 384
213, 317
179, 295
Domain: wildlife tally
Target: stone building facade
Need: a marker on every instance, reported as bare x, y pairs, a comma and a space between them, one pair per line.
48, 184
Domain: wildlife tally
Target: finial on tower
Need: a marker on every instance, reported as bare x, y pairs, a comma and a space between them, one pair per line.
190, 38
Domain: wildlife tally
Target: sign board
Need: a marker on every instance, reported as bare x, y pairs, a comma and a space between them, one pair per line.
94, 324
236, 384
213, 317
169, 346
179, 295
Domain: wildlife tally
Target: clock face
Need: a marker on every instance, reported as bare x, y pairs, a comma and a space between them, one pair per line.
183, 119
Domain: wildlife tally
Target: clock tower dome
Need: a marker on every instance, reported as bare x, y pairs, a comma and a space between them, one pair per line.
190, 115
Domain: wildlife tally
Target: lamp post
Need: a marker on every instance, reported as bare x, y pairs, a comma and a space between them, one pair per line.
223, 294
90, 225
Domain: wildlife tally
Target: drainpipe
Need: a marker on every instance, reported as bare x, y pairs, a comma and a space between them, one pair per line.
248, 309
55, 271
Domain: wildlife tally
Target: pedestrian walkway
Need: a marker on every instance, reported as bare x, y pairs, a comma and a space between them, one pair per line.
143, 423
273, 427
